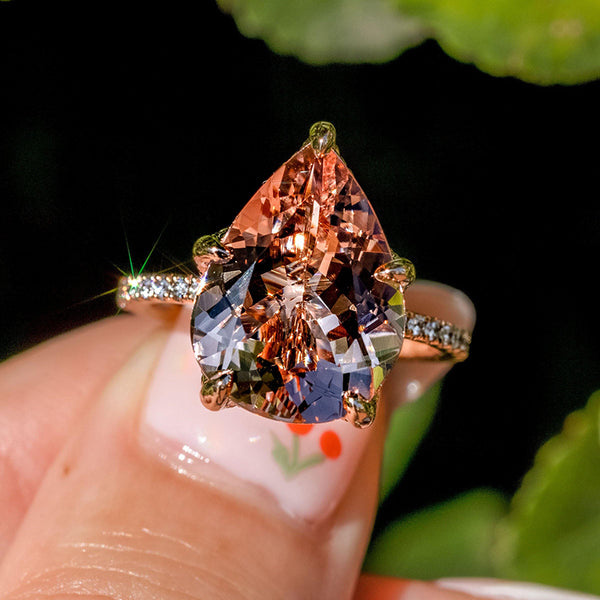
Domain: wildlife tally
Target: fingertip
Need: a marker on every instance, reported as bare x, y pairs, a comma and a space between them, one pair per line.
192, 536
412, 377
442, 301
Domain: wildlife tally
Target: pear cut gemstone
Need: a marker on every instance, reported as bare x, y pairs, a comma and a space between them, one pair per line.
294, 314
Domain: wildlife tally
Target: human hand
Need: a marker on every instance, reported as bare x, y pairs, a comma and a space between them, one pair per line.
115, 481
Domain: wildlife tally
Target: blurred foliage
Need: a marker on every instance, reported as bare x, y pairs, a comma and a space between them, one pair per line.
451, 539
408, 424
548, 534
541, 42
552, 533
555, 42
326, 31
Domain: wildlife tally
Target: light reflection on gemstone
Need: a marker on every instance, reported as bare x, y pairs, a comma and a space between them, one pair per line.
296, 315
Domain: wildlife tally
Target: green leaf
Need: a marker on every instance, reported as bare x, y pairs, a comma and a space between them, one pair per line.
552, 533
289, 461
557, 41
408, 425
451, 539
281, 455
310, 461
325, 31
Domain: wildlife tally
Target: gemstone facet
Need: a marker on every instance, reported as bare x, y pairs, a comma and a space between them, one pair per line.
294, 314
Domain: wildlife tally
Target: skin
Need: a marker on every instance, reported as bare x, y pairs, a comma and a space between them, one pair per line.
85, 511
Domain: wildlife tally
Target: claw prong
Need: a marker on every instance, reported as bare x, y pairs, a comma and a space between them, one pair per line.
209, 248
216, 389
211, 244
398, 272
359, 410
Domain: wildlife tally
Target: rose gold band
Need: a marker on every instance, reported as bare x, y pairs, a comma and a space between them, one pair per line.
425, 337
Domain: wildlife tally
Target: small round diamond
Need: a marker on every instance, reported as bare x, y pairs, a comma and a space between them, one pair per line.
180, 287
146, 289
446, 335
431, 330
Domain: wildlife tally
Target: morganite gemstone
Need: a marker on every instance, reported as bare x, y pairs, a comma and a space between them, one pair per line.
296, 315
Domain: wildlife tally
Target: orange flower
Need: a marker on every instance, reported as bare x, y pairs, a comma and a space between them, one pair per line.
300, 428
330, 444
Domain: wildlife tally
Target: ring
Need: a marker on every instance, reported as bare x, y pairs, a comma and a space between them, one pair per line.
299, 310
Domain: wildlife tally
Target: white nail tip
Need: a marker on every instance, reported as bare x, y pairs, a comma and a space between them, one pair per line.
511, 590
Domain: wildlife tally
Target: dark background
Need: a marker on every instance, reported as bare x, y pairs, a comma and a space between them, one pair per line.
115, 129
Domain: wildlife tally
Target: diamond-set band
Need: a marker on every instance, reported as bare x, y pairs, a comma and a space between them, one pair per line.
166, 287
445, 339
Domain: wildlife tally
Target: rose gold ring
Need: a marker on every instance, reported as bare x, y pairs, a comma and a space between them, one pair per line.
299, 308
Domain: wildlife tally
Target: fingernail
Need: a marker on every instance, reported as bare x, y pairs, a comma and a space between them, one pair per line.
306, 469
410, 379
442, 301
511, 590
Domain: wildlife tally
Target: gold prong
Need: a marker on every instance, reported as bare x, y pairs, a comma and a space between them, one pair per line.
322, 137
209, 248
359, 410
210, 244
216, 389
398, 272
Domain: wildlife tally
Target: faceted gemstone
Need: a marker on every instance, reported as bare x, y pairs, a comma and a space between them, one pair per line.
294, 315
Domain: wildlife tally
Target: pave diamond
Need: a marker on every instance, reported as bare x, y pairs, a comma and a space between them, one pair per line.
415, 325
431, 330
448, 339
166, 288
294, 316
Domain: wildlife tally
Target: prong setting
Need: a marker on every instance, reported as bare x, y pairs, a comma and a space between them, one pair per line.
359, 410
216, 389
322, 137
398, 272
209, 248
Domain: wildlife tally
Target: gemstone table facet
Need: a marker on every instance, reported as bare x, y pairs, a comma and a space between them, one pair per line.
294, 315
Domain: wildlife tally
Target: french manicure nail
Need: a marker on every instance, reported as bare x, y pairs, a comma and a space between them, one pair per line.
511, 590
409, 380
443, 301
305, 468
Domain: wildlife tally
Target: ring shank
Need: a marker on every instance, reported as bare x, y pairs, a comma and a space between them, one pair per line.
429, 338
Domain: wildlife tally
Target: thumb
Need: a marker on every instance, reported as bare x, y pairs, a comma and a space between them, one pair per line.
261, 511
154, 496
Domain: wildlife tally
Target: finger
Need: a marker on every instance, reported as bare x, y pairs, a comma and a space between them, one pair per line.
411, 378
372, 587
249, 520
170, 536
43, 392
